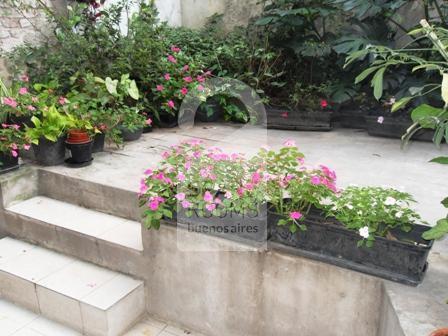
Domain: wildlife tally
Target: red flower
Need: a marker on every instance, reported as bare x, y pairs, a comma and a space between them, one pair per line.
284, 114
323, 103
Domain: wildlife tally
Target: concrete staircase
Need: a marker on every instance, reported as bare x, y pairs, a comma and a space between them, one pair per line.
65, 262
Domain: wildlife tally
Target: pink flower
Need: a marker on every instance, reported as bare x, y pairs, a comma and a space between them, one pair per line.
217, 201
208, 197
26, 147
172, 59
160, 87
24, 78
188, 79
143, 187
14, 153
289, 143
186, 68
149, 172
201, 88
10, 102
5, 125
23, 91
154, 205
15, 126
323, 103
14, 146
167, 76
62, 100
200, 79
328, 172
256, 178
181, 177
295, 215
186, 204
315, 180
180, 196
187, 165
31, 108
301, 160
210, 207
240, 191
148, 122
175, 49
228, 195
380, 120
184, 91
171, 104
284, 114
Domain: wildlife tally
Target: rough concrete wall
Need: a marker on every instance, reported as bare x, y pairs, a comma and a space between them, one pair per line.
30, 26
254, 293
170, 11
236, 12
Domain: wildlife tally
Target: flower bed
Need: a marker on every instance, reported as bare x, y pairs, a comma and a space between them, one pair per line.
278, 118
368, 229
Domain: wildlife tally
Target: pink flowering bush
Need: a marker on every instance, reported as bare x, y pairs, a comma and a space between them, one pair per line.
206, 181
181, 75
12, 140
293, 188
197, 179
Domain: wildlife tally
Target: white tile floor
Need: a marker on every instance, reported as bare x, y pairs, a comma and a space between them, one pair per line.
15, 321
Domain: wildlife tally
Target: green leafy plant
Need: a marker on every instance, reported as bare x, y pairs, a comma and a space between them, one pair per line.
12, 140
373, 212
51, 125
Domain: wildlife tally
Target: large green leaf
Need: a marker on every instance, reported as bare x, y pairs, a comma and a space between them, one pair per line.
445, 202
426, 115
440, 159
111, 85
377, 83
133, 90
401, 103
438, 231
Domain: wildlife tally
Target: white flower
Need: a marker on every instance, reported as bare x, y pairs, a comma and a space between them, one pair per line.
349, 206
326, 201
364, 232
380, 120
390, 201
399, 214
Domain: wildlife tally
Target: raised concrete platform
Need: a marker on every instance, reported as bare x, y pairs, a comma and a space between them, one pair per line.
85, 297
229, 301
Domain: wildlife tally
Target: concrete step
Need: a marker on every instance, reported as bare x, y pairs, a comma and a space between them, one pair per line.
17, 321
103, 239
87, 298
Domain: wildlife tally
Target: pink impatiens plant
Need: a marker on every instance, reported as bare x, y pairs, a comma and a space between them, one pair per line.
12, 140
181, 75
204, 181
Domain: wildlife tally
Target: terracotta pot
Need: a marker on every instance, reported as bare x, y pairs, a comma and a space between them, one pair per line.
440, 332
78, 137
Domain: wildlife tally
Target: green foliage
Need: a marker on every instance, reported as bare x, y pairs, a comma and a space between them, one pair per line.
51, 126
380, 210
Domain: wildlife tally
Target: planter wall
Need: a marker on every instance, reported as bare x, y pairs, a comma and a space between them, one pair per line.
395, 128
398, 260
8, 163
348, 118
251, 226
278, 118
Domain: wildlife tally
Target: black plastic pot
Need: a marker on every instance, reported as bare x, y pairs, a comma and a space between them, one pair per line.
81, 153
210, 111
128, 135
98, 143
168, 121
147, 129
22, 121
395, 128
280, 118
403, 260
8, 163
50, 153
248, 227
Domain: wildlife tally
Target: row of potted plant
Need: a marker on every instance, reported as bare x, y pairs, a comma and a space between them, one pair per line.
369, 229
94, 107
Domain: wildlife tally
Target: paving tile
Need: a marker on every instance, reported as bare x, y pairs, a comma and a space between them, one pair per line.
12, 312
128, 233
111, 292
144, 329
8, 327
27, 332
26, 266
50, 328
77, 280
10, 248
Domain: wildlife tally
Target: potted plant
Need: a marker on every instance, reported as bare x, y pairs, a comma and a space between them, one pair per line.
79, 141
132, 123
12, 140
183, 191
48, 136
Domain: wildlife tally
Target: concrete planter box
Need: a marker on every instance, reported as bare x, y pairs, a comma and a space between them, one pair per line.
350, 118
249, 227
403, 260
8, 163
298, 120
